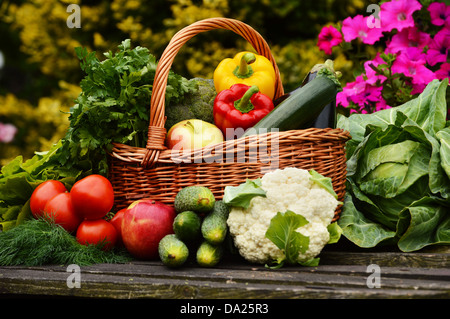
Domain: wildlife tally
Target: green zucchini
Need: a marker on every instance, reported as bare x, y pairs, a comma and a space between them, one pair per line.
302, 107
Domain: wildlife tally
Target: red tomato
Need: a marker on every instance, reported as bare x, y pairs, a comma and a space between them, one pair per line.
117, 223
93, 197
60, 209
96, 232
42, 194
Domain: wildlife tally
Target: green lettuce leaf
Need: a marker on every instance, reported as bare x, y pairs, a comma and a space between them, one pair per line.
283, 233
240, 196
18, 179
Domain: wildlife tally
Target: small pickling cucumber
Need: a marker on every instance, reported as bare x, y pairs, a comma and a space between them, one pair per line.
214, 227
209, 255
199, 199
172, 251
186, 226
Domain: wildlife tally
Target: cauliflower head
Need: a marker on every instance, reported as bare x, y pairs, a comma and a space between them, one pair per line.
286, 189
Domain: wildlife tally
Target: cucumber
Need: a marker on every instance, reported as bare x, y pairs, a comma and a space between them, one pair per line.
172, 251
186, 226
209, 255
199, 199
326, 118
214, 227
300, 109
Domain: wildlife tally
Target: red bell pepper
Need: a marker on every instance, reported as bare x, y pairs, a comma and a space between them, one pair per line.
241, 106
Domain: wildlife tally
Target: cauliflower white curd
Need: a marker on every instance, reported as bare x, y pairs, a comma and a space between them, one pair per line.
286, 189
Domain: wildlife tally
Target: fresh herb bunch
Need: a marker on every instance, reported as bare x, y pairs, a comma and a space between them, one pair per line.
39, 241
114, 104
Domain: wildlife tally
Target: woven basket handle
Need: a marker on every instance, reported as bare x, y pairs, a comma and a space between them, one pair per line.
156, 131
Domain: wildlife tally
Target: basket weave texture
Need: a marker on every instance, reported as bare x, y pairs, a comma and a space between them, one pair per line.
158, 173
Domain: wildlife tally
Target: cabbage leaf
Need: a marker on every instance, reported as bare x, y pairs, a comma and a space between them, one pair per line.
398, 186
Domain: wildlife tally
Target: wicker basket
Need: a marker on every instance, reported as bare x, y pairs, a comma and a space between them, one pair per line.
158, 173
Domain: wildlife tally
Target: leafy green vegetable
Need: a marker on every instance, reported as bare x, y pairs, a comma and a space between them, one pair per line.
335, 233
398, 187
322, 181
18, 179
283, 233
39, 241
444, 138
240, 196
114, 105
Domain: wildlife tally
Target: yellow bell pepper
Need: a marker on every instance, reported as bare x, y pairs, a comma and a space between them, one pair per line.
247, 68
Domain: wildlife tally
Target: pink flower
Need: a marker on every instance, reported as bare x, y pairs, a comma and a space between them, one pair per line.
439, 47
350, 90
408, 37
361, 93
398, 14
370, 94
411, 63
329, 37
357, 28
381, 105
7, 132
371, 77
443, 72
417, 88
439, 12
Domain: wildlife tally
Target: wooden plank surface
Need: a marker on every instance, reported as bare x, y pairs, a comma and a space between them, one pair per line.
341, 274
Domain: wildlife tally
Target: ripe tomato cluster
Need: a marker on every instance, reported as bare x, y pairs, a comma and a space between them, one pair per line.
81, 210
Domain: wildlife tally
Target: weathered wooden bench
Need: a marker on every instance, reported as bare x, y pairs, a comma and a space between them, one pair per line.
349, 274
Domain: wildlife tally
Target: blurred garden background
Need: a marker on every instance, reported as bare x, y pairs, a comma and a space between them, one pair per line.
40, 72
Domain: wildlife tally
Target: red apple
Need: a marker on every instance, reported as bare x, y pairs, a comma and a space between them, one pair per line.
191, 134
144, 224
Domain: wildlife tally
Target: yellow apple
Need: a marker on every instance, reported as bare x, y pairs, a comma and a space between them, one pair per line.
192, 134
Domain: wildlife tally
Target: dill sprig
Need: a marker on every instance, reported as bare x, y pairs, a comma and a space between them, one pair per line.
39, 241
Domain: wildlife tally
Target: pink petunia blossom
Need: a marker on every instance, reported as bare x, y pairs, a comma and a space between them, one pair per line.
398, 14
361, 93
350, 90
411, 63
329, 37
7, 132
372, 77
408, 37
439, 47
357, 28
381, 105
439, 12
370, 94
443, 72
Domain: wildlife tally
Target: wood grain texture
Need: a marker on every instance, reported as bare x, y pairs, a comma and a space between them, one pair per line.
341, 275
